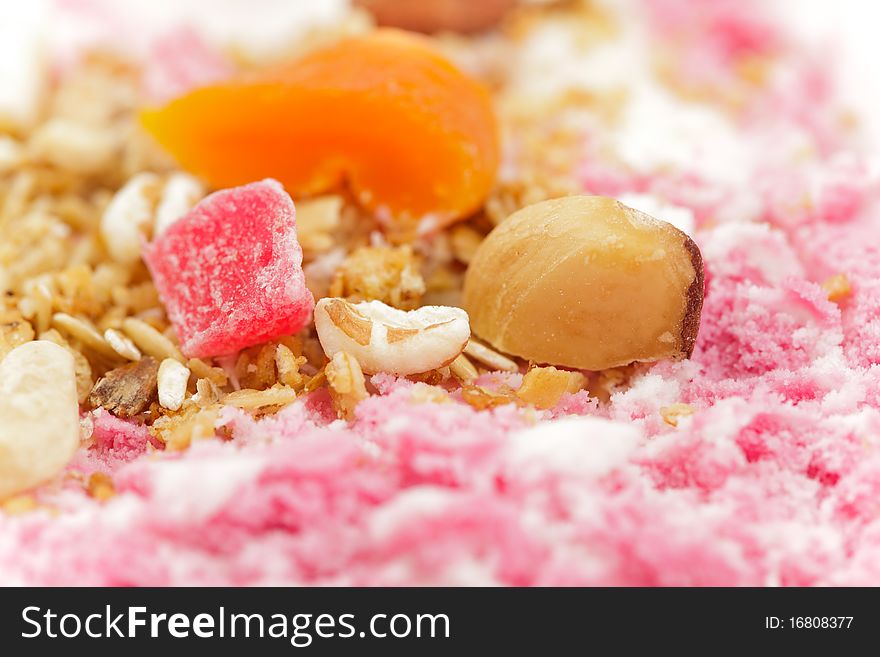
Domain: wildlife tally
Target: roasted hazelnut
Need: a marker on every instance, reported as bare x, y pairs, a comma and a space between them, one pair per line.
586, 282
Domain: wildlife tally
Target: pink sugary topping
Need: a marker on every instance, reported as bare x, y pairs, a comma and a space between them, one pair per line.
230, 272
713, 38
114, 442
775, 480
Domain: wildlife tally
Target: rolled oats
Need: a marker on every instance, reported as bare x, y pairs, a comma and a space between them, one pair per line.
122, 345
489, 357
277, 395
151, 341
81, 330
463, 369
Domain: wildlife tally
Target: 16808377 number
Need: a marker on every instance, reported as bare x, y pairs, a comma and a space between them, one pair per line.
820, 622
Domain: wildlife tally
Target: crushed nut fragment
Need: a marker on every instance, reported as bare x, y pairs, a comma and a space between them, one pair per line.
347, 385
255, 367
128, 390
207, 393
191, 423
672, 414
482, 398
19, 505
423, 393
288, 365
386, 274
100, 486
543, 387
837, 287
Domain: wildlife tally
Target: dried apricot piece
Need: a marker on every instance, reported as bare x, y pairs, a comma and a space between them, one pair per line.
384, 113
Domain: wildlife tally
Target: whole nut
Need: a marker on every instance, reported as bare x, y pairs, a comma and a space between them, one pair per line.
39, 415
586, 282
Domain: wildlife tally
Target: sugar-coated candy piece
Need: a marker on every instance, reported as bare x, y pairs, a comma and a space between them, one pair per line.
230, 272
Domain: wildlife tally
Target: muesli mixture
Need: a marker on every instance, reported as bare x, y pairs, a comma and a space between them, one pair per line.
589, 297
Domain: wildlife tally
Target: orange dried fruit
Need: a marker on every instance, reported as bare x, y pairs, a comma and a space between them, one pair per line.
384, 113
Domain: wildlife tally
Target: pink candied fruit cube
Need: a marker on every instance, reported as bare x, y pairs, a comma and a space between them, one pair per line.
230, 272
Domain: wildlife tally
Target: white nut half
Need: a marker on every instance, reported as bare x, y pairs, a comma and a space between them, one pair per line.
385, 339
39, 415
